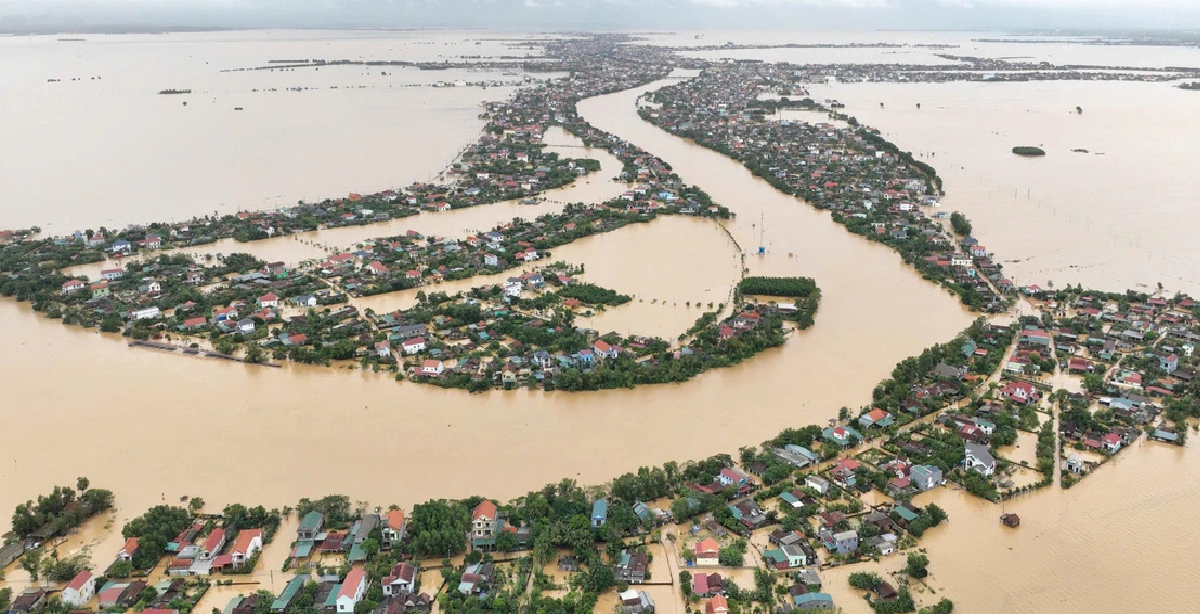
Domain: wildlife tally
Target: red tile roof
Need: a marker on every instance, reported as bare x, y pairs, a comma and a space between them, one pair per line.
350, 585
395, 519
242, 545
487, 509
83, 578
215, 540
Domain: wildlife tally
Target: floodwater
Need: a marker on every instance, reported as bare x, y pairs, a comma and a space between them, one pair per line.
263, 435
107, 149
703, 274
592, 188
156, 427
1057, 50
1120, 216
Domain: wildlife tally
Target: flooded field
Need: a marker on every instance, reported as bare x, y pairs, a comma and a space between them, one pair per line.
594, 188
351, 128
1116, 216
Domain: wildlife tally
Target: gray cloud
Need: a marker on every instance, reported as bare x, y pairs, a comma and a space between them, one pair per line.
26, 15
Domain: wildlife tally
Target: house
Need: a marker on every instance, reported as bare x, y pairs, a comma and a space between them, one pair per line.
886, 592
1111, 442
246, 326
111, 274
483, 520
268, 300
402, 579
491, 260
305, 300
288, 595
213, 544
148, 313
72, 286
599, 513
841, 435
925, 477
945, 371
1020, 392
129, 550
748, 513
432, 368
1168, 363
568, 563
604, 349
818, 483
513, 287
717, 605
707, 552
194, 323
80, 590
636, 602
354, 587
707, 584
383, 349
632, 567
979, 458
32, 600
394, 528
844, 542
413, 345
884, 544
99, 289
249, 542
877, 418
814, 601
310, 525
732, 476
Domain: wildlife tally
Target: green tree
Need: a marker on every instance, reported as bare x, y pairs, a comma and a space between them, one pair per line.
960, 224
81, 484
916, 565
370, 546
31, 563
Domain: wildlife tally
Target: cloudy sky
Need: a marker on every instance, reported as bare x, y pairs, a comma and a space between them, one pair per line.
622, 14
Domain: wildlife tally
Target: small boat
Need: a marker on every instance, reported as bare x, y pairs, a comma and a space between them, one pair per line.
237, 108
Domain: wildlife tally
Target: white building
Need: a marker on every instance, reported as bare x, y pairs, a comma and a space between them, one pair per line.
80, 590
352, 591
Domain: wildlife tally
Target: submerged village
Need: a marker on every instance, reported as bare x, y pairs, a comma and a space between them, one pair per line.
1044, 388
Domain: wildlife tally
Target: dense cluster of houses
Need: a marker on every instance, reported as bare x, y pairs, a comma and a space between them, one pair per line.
871, 187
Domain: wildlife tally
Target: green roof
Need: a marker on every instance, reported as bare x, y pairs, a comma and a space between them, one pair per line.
356, 554
312, 520
331, 602
905, 513
289, 593
813, 598
789, 497
304, 548
776, 555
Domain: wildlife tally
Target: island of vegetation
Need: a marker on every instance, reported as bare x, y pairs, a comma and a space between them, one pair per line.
1028, 150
